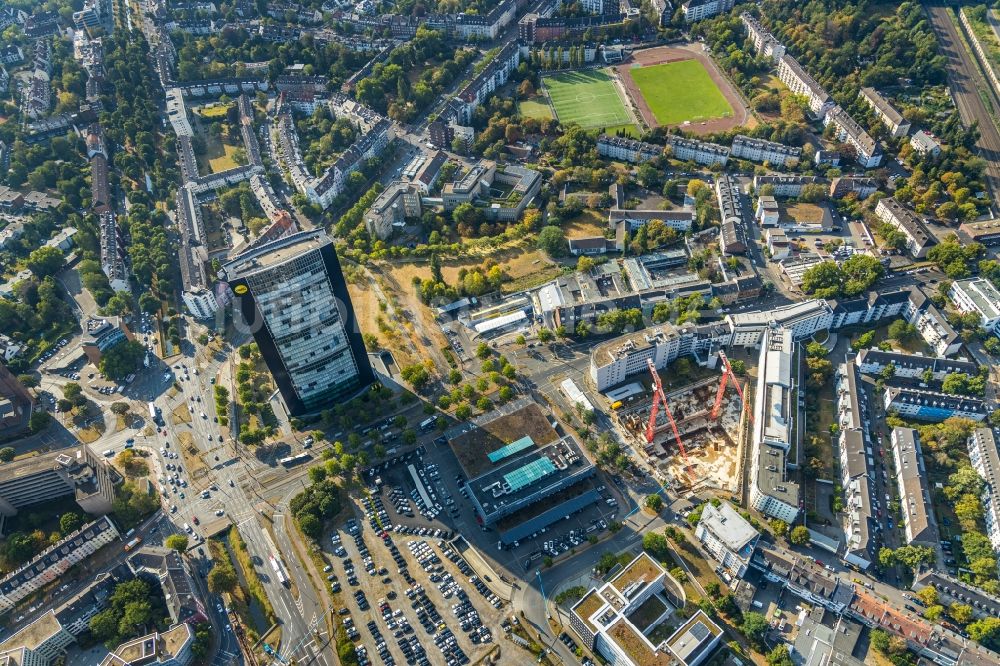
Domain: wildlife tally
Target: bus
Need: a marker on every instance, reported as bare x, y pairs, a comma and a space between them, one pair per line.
279, 572
133, 543
154, 414
427, 424
292, 461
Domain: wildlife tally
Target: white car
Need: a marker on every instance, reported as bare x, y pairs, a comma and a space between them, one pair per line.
220, 512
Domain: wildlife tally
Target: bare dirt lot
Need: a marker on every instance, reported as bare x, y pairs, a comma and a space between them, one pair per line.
472, 448
661, 54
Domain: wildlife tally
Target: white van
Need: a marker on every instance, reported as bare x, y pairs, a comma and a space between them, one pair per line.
109, 453
187, 528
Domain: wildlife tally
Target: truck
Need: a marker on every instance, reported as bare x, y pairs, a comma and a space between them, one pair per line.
279, 571
154, 414
133, 543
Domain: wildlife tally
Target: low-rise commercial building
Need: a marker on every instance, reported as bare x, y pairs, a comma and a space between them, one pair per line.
100, 335
616, 619
913, 487
728, 537
918, 238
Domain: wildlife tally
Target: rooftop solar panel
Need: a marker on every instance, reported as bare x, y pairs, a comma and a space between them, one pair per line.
514, 447
525, 476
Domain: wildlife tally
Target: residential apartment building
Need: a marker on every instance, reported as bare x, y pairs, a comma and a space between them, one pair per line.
985, 459
924, 405
867, 151
925, 143
493, 76
801, 319
785, 186
986, 232
857, 468
918, 238
694, 150
804, 578
979, 296
772, 491
728, 537
760, 150
886, 112
396, 203
763, 41
913, 488
698, 10
863, 188
294, 293
605, 619
911, 366
200, 302
172, 647
39, 643
627, 150
799, 82
767, 213
55, 561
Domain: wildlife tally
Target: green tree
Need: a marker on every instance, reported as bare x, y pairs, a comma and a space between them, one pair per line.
779, 656
39, 420
121, 360
654, 502
178, 542
7, 454
221, 579
755, 627
70, 522
46, 261
799, 535
552, 241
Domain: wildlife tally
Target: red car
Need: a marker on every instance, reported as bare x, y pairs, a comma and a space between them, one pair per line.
195, 520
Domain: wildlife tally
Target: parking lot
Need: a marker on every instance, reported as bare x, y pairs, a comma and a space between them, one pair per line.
456, 620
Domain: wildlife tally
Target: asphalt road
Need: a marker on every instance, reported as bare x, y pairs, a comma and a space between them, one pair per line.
966, 80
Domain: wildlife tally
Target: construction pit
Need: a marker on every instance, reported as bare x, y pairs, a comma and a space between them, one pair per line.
713, 451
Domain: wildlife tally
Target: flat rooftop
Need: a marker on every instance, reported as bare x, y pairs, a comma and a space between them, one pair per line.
643, 568
690, 642
34, 634
276, 253
587, 606
481, 438
520, 477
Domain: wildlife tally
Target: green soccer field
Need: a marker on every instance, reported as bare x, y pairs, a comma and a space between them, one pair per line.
588, 99
680, 91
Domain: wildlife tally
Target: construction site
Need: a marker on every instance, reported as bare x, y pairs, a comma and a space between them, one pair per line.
693, 435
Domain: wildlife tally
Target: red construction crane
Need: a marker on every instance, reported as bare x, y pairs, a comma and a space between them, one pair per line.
658, 397
727, 372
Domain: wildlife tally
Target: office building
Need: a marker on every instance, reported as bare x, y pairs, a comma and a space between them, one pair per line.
918, 238
728, 537
614, 361
772, 492
102, 334
760, 150
55, 561
890, 117
45, 477
867, 151
616, 619
977, 296
398, 202
16, 403
913, 488
911, 403
293, 295
985, 459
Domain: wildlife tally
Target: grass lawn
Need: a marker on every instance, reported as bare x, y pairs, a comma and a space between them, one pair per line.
588, 99
533, 108
681, 91
225, 160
